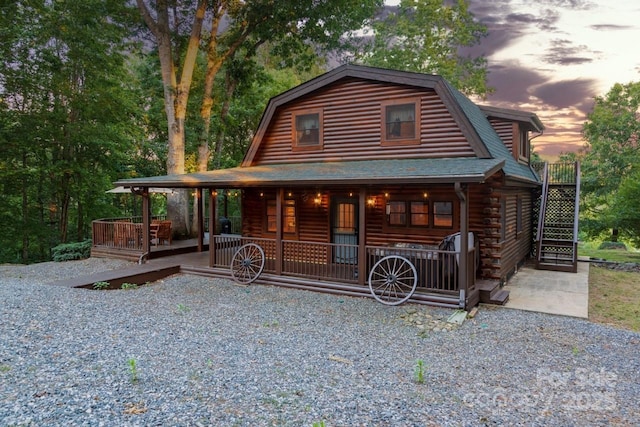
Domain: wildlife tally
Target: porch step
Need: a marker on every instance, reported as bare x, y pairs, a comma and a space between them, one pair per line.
492, 293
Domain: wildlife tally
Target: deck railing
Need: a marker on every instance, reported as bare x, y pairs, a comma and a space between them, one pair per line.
120, 234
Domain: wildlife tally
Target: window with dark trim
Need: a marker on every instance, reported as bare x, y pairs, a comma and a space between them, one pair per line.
288, 216
400, 124
443, 214
503, 219
419, 213
397, 213
518, 214
307, 130
523, 145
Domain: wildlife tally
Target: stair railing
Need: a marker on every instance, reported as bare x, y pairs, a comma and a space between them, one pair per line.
543, 210
576, 217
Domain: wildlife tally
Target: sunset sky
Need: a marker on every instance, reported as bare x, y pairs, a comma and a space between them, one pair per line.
552, 57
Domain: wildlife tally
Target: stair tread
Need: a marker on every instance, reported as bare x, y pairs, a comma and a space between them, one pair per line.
500, 297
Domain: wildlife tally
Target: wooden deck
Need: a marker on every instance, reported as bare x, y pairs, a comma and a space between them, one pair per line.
177, 247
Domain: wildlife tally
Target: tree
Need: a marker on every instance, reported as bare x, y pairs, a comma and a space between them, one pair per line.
611, 162
65, 97
236, 30
427, 36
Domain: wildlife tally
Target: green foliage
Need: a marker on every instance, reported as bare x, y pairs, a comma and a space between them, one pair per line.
128, 286
611, 165
318, 424
419, 371
71, 251
182, 309
425, 36
99, 286
133, 369
70, 120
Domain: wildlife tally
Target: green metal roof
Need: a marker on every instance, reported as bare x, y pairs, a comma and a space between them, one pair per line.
365, 172
492, 140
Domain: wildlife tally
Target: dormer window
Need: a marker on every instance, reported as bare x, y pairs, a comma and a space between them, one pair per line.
307, 130
400, 122
523, 145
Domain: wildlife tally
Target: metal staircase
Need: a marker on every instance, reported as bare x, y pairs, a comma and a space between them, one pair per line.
557, 231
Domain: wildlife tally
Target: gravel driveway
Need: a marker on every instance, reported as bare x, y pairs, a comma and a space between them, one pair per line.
195, 351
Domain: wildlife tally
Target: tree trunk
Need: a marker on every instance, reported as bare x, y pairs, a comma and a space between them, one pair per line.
176, 96
25, 212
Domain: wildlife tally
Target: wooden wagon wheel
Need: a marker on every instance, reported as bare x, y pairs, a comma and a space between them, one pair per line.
393, 279
247, 263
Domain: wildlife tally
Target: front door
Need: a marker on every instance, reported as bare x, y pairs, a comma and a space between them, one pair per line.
344, 231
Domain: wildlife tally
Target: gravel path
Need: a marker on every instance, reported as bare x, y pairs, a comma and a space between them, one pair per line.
195, 351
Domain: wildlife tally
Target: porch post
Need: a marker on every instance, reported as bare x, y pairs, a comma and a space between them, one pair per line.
213, 201
463, 277
362, 238
146, 222
200, 218
279, 251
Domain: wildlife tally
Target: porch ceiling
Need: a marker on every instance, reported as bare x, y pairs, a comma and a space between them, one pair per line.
365, 172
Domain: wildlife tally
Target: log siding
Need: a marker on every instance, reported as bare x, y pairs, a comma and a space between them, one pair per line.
352, 126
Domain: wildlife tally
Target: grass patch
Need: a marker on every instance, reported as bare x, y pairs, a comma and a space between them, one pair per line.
618, 255
614, 298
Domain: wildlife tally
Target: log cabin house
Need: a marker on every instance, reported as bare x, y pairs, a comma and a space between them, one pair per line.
361, 164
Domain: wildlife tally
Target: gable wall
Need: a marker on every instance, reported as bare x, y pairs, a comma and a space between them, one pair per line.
504, 129
352, 126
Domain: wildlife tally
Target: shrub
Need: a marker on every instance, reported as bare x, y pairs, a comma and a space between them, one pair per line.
98, 286
71, 251
613, 245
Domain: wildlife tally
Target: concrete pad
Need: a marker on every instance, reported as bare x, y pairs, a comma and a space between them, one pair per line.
551, 292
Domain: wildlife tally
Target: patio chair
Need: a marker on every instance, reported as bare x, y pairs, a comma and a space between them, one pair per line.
160, 232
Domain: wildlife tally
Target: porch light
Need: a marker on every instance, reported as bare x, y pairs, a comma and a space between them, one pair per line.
318, 200
371, 202
289, 194
425, 195
386, 195
261, 194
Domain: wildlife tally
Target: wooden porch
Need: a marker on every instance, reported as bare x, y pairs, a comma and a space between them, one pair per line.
323, 267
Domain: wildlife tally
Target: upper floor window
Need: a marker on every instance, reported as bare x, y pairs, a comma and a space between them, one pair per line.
307, 130
523, 145
400, 121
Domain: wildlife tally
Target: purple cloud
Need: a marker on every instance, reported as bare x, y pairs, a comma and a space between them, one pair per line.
564, 52
513, 83
578, 94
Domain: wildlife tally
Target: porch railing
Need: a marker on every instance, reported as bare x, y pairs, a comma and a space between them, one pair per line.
437, 269
321, 260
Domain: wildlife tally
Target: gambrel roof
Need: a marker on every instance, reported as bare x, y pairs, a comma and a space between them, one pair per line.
491, 154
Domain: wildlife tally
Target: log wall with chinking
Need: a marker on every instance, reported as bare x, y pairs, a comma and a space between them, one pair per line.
516, 245
352, 126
